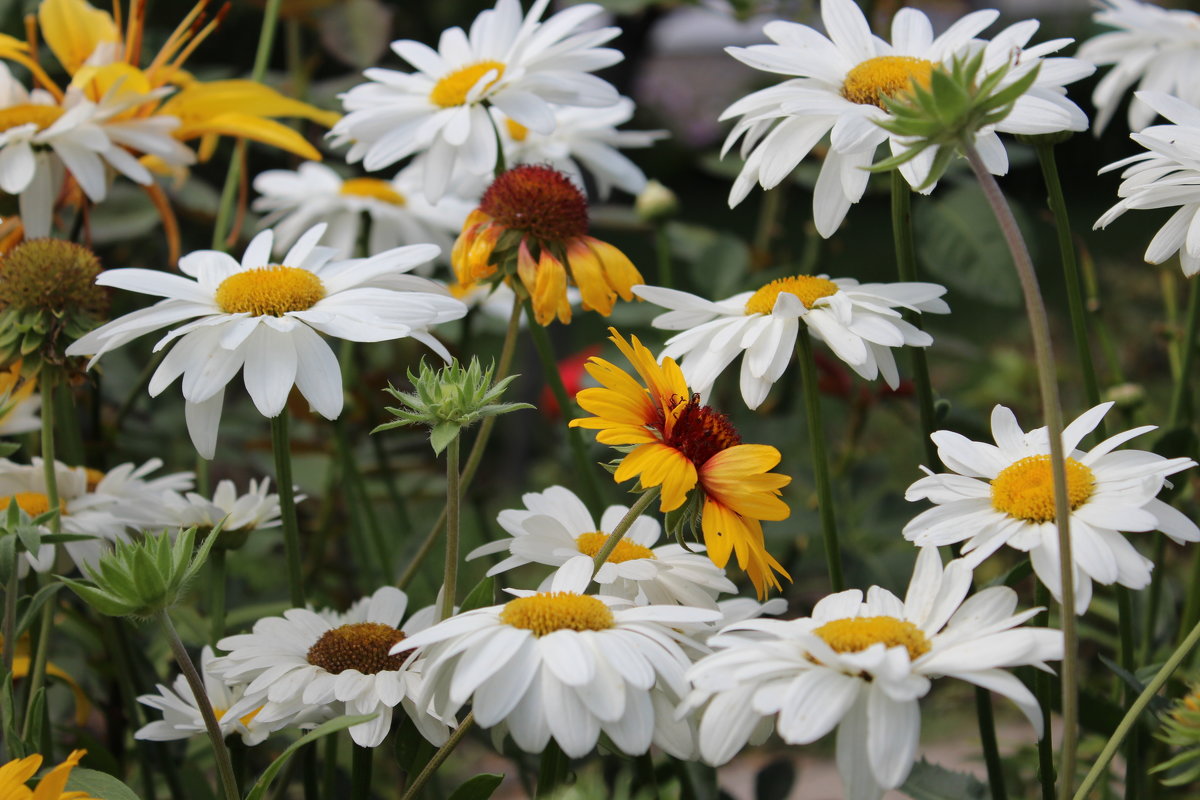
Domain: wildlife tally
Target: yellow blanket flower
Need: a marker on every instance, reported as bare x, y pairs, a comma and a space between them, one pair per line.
16, 773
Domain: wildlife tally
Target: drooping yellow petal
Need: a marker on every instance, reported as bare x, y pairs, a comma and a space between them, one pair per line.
589, 277
214, 98
725, 530
95, 82
73, 29
619, 271
658, 464
52, 786
16, 772
246, 126
548, 290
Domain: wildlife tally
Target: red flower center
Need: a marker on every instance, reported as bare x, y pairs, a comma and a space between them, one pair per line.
700, 432
539, 201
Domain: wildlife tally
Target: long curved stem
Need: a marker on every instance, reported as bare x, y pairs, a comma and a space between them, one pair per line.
816, 438
1039, 326
624, 525
441, 755
287, 505
453, 498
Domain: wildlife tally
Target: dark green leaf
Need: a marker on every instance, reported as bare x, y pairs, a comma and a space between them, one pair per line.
932, 782
99, 784
478, 788
333, 726
481, 596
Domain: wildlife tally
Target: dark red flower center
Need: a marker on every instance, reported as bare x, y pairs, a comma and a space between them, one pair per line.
539, 201
700, 432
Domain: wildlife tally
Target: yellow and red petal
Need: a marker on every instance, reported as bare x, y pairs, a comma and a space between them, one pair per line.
664, 381
478, 262
550, 288
657, 464
588, 273
725, 530
619, 271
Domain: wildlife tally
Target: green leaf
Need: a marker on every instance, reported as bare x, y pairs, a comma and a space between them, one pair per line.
775, 780
8, 448
333, 726
102, 601
478, 788
35, 605
8, 559
480, 596
932, 782
99, 784
30, 536
443, 434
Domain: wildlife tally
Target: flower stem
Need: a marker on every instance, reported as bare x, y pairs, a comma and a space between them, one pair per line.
1043, 689
1039, 326
906, 266
586, 470
991, 751
1182, 390
441, 755
287, 505
216, 592
196, 684
1131, 716
360, 772
453, 500
9, 624
662, 249
768, 223
816, 438
503, 367
552, 771
614, 538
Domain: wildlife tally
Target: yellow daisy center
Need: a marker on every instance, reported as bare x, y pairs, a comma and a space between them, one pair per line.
808, 288
374, 189
273, 290
362, 646
452, 89
1025, 488
32, 503
516, 130
885, 76
590, 543
855, 635
547, 612
94, 476
42, 116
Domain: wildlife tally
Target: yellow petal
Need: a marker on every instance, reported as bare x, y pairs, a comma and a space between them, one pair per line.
73, 29
52, 786
248, 126
620, 272
19, 770
207, 99
95, 82
589, 277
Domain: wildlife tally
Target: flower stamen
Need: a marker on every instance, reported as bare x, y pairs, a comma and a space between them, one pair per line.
361, 646
590, 543
808, 288
547, 612
273, 290
857, 634
885, 76
1025, 488
452, 89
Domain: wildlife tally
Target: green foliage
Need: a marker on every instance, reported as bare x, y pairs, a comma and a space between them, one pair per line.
775, 780
932, 782
480, 787
99, 784
1181, 729
259, 790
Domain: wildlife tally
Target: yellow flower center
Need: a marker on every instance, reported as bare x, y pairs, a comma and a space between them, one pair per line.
547, 612
516, 130
590, 543
273, 290
452, 89
32, 503
94, 476
808, 288
1025, 489
885, 76
374, 189
246, 719
855, 635
42, 116
362, 646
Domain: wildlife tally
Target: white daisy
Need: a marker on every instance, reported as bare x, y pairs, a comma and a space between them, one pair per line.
566, 665
267, 316
242, 513
862, 667
397, 210
42, 137
1158, 48
182, 718
861, 324
1003, 494
1165, 176
837, 88
307, 660
518, 64
555, 526
583, 138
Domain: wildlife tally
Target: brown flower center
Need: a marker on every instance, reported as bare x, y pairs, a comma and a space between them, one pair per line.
362, 646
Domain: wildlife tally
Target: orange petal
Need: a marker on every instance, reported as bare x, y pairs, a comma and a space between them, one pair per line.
588, 273
619, 271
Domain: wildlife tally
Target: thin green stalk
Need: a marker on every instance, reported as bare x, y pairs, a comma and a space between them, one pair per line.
587, 472
503, 367
453, 508
287, 505
1066, 249
360, 772
1043, 689
139, 387
614, 538
1039, 326
112, 635
1181, 394
662, 249
441, 755
216, 593
552, 771
768, 222
10, 620
364, 528
329, 764
1127, 657
816, 438
906, 266
991, 751
1131, 716
1153, 598
228, 782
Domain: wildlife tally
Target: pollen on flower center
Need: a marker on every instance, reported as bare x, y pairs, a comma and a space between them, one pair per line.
26, 113
547, 612
452, 89
32, 503
855, 635
1025, 488
808, 288
539, 201
700, 432
888, 76
362, 646
590, 543
273, 290
516, 130
374, 189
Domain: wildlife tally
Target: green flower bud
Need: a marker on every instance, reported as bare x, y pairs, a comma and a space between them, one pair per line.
656, 202
1181, 729
449, 399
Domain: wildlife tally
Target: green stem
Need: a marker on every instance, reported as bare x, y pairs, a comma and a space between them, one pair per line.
112, 635
441, 755
216, 593
662, 249
1043, 689
991, 750
221, 753
1127, 658
623, 526
906, 266
329, 766
287, 505
360, 772
1131, 716
552, 770
768, 221
1066, 249
590, 491
453, 500
10, 618
503, 367
1039, 327
1154, 597
816, 438
1181, 394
